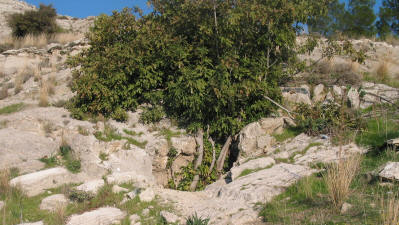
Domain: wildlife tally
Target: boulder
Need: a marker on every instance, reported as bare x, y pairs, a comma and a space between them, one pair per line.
296, 98
254, 164
2, 204
346, 207
169, 217
390, 171
354, 98
255, 139
318, 93
36, 183
147, 196
134, 219
103, 216
337, 91
53, 202
91, 186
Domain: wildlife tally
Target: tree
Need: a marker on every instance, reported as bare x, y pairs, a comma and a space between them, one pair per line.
360, 18
389, 18
208, 63
34, 22
332, 22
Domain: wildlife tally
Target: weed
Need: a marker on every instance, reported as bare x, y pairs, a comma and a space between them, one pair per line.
83, 131
195, 220
288, 133
103, 156
132, 133
12, 108
249, 171
111, 133
390, 209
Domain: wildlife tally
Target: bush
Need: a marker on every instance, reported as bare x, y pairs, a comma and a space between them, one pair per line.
152, 115
34, 22
327, 118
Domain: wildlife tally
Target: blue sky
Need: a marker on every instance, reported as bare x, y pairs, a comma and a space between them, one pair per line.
84, 8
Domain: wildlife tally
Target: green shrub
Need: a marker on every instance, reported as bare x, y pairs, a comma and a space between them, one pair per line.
79, 196
42, 21
195, 220
34, 22
73, 165
152, 114
119, 115
327, 118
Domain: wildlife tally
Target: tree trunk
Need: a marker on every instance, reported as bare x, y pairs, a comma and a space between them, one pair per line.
223, 154
213, 155
200, 149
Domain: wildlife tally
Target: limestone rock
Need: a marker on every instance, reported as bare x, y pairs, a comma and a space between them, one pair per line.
147, 196
296, 98
18, 147
36, 183
2, 204
103, 216
337, 91
36, 223
169, 217
346, 207
134, 219
354, 98
255, 138
185, 145
53, 202
126, 177
318, 93
116, 189
91, 186
254, 164
390, 171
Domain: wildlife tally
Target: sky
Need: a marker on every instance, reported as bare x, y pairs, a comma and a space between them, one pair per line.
85, 8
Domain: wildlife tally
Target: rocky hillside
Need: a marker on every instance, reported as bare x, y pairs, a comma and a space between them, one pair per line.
59, 162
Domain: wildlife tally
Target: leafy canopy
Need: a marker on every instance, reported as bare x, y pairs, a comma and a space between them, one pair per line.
389, 18
206, 62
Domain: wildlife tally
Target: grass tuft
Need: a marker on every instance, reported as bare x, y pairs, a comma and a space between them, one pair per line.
12, 108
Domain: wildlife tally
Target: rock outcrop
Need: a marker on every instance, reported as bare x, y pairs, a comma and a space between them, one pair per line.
104, 216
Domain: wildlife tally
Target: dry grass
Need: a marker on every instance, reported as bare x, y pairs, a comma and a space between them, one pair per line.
4, 182
23, 76
3, 92
339, 177
44, 92
40, 41
37, 73
382, 71
60, 215
390, 209
393, 40
64, 38
51, 84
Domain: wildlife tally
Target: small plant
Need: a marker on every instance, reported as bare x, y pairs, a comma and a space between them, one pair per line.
103, 156
79, 196
50, 161
172, 154
195, 220
4, 182
73, 165
339, 177
83, 131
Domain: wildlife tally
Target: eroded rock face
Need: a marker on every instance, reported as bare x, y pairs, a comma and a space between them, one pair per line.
104, 216
36, 183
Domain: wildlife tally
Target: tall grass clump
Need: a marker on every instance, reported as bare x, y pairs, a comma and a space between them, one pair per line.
339, 177
390, 209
